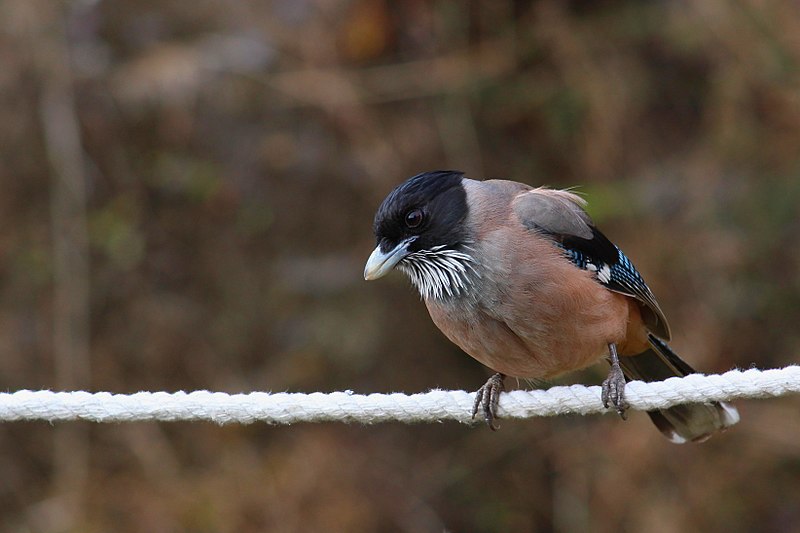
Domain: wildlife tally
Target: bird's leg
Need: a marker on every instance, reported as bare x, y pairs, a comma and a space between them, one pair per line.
487, 397
614, 384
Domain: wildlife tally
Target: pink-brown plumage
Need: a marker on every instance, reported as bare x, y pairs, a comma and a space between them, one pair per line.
537, 315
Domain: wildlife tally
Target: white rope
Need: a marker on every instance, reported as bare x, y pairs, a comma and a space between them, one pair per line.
436, 405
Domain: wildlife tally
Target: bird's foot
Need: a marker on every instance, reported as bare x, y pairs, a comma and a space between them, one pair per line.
614, 386
487, 398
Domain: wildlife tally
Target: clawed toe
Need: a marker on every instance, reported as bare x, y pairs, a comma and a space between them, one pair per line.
487, 398
614, 386
614, 392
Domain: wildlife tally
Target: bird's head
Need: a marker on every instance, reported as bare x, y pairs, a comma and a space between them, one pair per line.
420, 229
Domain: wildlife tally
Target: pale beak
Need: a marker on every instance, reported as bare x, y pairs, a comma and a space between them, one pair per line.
380, 263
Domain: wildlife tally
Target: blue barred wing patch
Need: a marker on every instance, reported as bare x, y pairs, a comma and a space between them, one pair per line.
620, 276
625, 275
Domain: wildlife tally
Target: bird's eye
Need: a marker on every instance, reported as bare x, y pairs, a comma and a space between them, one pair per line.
414, 218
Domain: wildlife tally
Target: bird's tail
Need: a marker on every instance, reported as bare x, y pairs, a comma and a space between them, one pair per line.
681, 423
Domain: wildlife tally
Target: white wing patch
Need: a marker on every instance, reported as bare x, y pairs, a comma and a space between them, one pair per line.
604, 274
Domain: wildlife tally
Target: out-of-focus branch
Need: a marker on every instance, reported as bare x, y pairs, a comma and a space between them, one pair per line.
449, 75
67, 211
402, 81
70, 249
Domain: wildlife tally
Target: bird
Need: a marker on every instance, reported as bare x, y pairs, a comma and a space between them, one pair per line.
521, 279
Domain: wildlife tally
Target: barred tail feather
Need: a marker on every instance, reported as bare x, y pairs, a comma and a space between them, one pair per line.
681, 423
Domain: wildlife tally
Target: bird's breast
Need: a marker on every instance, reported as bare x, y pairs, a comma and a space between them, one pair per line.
533, 314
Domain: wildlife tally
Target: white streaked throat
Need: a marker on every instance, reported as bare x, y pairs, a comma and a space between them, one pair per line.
441, 272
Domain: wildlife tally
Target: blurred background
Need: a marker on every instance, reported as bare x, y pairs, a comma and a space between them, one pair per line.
186, 199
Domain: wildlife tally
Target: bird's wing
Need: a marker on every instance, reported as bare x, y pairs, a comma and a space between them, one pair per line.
560, 215
553, 211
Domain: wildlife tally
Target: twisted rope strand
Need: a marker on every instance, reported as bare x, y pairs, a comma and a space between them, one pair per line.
436, 405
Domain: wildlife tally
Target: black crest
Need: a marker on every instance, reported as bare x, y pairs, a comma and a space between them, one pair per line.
441, 198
